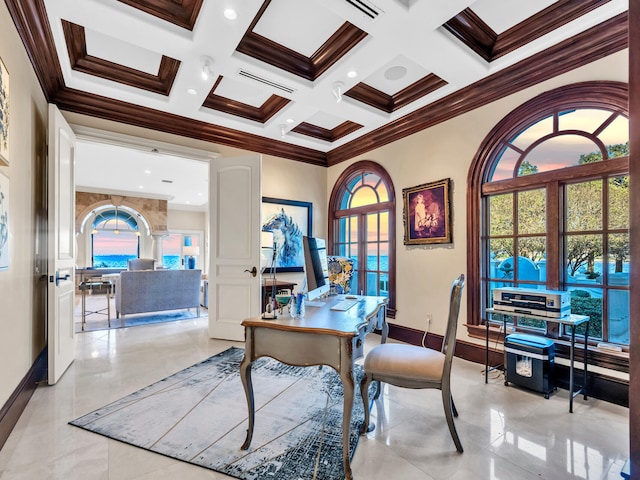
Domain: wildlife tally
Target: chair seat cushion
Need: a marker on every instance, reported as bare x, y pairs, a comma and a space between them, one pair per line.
404, 362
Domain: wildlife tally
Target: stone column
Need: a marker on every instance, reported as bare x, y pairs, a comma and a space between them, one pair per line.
157, 247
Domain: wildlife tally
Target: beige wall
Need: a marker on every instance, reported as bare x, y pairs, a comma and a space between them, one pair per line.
21, 295
424, 273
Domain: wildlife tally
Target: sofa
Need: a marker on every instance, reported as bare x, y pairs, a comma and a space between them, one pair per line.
142, 291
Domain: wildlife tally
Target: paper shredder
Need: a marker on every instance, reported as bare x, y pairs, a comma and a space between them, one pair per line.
530, 362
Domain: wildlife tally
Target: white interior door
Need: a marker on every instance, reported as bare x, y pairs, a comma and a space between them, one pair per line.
234, 209
61, 245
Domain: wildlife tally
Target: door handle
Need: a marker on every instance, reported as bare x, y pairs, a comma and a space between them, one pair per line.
253, 271
58, 278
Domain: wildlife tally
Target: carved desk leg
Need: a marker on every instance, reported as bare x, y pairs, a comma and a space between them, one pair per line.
346, 375
245, 375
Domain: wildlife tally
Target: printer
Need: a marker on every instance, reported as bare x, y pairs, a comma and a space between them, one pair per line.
543, 303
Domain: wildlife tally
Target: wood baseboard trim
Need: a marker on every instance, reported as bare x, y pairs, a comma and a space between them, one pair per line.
17, 402
599, 386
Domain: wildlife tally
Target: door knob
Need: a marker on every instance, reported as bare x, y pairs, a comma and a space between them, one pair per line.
253, 271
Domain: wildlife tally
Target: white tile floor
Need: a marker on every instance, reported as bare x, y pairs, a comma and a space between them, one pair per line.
507, 433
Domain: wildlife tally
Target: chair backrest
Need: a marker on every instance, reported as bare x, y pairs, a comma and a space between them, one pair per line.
449, 341
141, 264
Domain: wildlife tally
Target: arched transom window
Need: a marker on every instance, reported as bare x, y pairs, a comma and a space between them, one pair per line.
551, 187
362, 227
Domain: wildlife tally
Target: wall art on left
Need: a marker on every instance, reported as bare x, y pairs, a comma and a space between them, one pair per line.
4, 222
4, 114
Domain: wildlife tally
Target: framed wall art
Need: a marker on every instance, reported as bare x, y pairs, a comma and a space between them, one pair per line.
4, 222
289, 221
427, 213
4, 114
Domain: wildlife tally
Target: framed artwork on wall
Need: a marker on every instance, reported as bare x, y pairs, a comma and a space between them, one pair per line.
427, 213
289, 221
4, 114
4, 222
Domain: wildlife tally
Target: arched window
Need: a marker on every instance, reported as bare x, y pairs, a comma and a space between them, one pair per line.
115, 238
549, 199
362, 227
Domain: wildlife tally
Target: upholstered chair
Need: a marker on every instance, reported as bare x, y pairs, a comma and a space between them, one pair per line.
340, 271
412, 366
141, 264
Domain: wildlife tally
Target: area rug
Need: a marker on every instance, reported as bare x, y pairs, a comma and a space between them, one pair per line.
199, 416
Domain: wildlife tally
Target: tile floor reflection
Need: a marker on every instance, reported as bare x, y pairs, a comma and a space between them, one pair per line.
507, 433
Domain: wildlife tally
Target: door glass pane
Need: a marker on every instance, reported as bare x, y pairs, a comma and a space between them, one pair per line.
372, 256
372, 227
384, 226
532, 211
372, 283
584, 206
619, 202
584, 258
501, 214
384, 285
619, 316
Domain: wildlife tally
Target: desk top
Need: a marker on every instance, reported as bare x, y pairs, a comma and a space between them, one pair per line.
324, 320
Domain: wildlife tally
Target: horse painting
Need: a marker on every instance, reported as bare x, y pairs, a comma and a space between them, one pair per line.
287, 237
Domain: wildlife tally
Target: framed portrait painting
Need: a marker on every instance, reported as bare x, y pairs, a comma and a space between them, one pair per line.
4, 114
427, 213
289, 221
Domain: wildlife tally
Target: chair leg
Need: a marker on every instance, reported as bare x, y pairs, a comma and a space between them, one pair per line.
453, 407
378, 390
449, 408
364, 392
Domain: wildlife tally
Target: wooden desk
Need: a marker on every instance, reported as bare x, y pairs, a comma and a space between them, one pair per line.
267, 287
322, 337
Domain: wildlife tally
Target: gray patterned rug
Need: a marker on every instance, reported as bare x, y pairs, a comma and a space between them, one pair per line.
199, 415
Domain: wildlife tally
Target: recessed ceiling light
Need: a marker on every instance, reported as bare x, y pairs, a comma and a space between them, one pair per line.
230, 14
140, 187
192, 91
148, 172
289, 120
352, 74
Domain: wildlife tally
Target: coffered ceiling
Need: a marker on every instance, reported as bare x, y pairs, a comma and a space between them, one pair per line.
275, 69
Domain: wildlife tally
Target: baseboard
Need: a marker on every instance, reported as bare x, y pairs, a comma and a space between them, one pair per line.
17, 402
599, 386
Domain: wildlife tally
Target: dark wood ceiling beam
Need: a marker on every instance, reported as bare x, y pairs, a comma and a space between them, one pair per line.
599, 41
417, 90
371, 96
32, 24
127, 113
183, 13
328, 135
82, 62
309, 68
471, 30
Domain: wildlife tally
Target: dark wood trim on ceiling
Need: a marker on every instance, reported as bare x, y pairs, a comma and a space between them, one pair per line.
259, 114
599, 41
309, 68
182, 13
310, 130
81, 61
471, 30
32, 25
32, 22
390, 103
130, 114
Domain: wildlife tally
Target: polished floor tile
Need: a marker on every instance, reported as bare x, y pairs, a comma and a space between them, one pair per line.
507, 433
